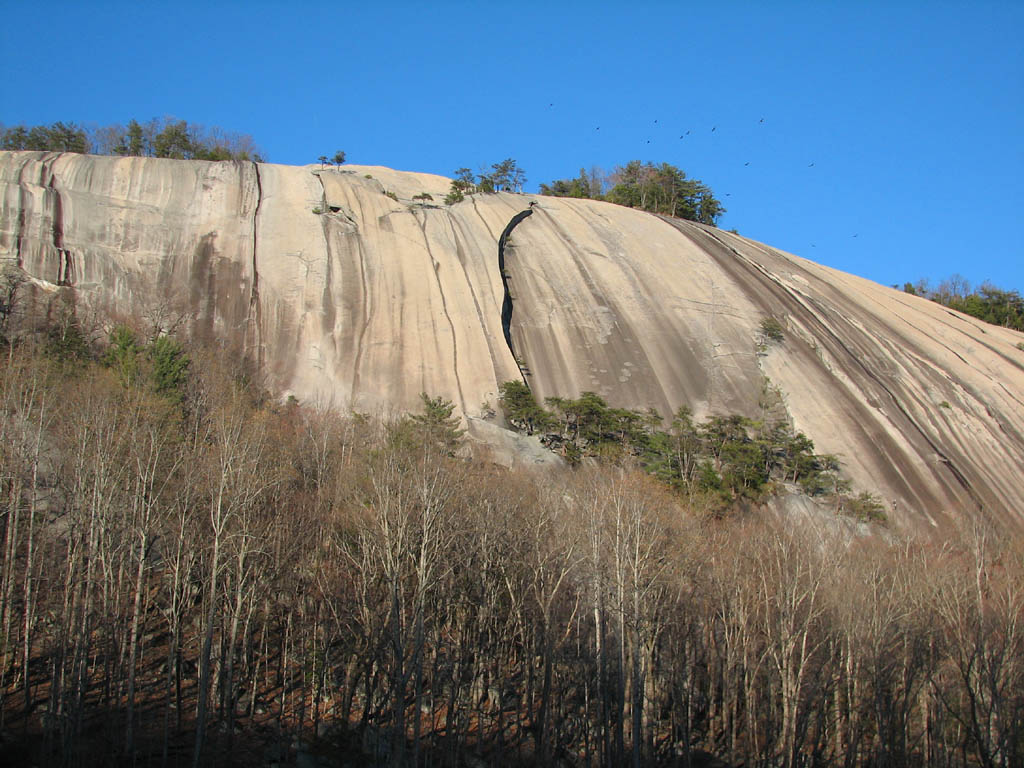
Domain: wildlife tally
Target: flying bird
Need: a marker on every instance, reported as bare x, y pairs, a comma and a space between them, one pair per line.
761, 120
655, 122
713, 129
746, 164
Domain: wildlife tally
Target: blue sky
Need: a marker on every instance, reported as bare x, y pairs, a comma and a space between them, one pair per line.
912, 113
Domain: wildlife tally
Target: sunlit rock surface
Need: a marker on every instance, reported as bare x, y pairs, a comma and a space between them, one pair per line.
359, 287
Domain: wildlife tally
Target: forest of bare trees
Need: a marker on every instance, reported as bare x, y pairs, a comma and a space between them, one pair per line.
195, 574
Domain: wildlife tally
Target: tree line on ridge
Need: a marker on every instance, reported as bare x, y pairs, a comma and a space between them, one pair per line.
662, 188
986, 302
160, 137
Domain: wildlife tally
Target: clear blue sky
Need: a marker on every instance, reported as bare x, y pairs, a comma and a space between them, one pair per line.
912, 113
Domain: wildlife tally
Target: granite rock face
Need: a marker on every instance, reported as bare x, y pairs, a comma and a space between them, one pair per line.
359, 287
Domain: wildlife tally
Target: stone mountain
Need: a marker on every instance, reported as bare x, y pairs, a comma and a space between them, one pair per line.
361, 288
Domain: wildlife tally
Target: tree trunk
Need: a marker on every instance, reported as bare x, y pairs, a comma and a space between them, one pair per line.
133, 645
203, 691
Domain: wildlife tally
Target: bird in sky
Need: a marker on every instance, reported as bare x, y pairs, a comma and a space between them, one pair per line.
761, 120
713, 129
811, 165
598, 128
746, 164
655, 122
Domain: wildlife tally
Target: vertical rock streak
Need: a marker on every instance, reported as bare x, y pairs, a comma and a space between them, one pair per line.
458, 236
65, 275
444, 307
506, 304
823, 331
367, 317
255, 315
23, 206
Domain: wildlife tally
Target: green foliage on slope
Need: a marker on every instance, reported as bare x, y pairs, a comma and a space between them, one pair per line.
725, 460
162, 365
436, 425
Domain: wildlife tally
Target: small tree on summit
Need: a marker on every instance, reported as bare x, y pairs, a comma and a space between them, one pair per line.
507, 176
323, 161
462, 185
339, 158
174, 142
134, 142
